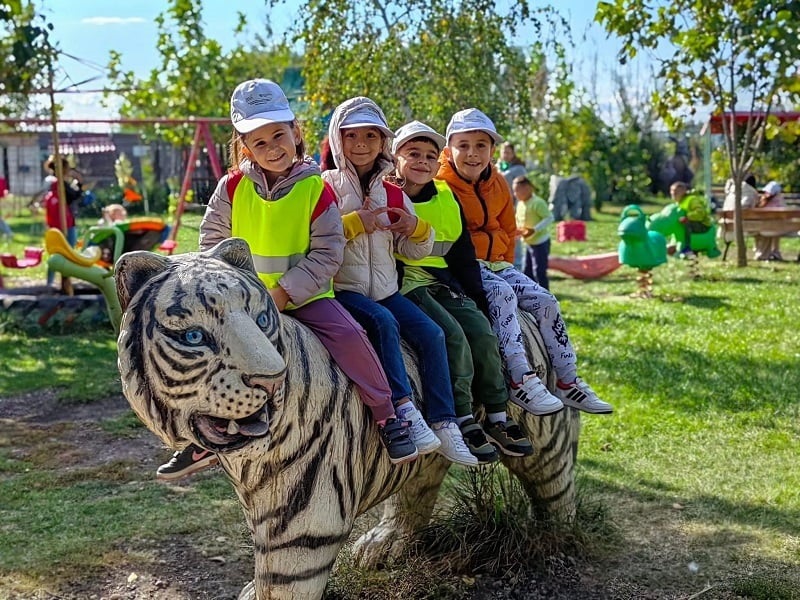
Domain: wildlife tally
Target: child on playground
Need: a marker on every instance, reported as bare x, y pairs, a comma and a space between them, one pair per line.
274, 189
73, 190
380, 223
112, 214
533, 219
486, 201
696, 214
441, 285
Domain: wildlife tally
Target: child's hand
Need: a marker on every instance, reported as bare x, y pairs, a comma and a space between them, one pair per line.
401, 222
279, 297
369, 219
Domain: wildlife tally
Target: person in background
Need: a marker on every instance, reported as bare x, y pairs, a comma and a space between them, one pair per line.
696, 214
768, 247
511, 166
113, 213
73, 188
533, 219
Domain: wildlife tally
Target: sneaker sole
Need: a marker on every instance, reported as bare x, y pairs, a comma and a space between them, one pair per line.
538, 412
404, 459
200, 465
509, 451
589, 409
457, 461
432, 447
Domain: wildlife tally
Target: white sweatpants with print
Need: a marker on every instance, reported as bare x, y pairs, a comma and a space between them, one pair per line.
507, 289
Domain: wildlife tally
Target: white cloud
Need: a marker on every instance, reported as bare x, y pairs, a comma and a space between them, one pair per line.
112, 20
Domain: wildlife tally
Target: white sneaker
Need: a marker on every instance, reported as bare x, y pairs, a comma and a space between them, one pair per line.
533, 396
453, 447
579, 395
419, 432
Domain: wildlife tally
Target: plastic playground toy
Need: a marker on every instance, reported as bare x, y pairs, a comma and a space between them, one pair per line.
640, 247
30, 258
592, 266
667, 223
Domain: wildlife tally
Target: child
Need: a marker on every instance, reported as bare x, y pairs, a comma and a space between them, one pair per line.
112, 214
275, 188
379, 221
486, 200
441, 284
73, 189
696, 214
533, 219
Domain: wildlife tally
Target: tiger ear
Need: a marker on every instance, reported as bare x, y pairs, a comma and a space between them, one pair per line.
235, 252
133, 270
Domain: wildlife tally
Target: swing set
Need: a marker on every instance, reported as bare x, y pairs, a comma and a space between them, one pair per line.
144, 233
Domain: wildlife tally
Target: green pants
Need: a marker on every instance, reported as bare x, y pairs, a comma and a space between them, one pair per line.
476, 370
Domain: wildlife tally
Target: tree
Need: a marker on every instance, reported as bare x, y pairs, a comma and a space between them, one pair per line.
27, 54
417, 59
196, 76
726, 54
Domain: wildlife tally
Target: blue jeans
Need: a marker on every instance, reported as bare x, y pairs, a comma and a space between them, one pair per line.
385, 321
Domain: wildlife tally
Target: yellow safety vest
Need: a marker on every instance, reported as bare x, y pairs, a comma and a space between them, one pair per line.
278, 231
442, 212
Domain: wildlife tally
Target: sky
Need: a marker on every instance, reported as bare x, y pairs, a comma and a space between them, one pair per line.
89, 29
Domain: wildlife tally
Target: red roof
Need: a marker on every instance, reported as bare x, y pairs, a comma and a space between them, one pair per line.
715, 121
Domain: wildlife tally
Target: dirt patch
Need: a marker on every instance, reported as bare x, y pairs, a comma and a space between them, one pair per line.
650, 561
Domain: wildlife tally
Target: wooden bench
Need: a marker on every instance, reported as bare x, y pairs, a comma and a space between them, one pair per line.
761, 221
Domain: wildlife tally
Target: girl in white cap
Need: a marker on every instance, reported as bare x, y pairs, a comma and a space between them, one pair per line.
276, 200
379, 222
466, 166
769, 247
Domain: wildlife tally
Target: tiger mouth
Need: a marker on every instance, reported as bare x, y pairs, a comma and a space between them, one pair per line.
224, 435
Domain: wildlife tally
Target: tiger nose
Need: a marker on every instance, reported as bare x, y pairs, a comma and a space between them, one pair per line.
268, 383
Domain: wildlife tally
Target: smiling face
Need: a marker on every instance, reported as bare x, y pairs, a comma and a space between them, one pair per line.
470, 152
417, 163
274, 148
362, 146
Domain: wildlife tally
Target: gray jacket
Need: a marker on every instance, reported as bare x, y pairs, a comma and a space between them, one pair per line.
324, 257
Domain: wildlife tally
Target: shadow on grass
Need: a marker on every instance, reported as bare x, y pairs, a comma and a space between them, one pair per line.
703, 509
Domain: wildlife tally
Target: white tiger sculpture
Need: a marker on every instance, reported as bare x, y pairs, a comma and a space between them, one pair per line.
205, 358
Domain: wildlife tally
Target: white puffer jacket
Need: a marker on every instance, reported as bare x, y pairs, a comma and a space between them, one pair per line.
369, 264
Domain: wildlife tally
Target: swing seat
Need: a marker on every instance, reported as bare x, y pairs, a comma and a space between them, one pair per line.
31, 258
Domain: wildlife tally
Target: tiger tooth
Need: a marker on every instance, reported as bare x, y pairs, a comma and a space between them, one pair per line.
233, 427
263, 417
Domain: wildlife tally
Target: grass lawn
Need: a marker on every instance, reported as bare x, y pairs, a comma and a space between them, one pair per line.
697, 468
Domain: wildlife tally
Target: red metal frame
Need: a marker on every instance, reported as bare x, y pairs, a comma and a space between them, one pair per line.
202, 133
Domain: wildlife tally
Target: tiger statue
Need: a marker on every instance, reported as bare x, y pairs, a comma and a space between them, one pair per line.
206, 358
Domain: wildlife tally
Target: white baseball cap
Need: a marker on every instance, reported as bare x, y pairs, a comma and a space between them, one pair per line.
416, 129
471, 119
258, 102
367, 114
772, 188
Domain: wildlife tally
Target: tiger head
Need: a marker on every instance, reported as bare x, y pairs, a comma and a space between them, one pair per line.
200, 347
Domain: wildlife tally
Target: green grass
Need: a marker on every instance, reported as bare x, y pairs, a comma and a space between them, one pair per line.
698, 463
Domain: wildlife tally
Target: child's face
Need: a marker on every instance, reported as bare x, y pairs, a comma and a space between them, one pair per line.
522, 191
677, 193
362, 146
471, 153
417, 162
274, 146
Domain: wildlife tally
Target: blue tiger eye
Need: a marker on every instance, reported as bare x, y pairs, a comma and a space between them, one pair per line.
262, 320
194, 337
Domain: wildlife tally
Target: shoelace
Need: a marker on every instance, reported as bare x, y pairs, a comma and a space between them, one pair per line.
418, 428
458, 441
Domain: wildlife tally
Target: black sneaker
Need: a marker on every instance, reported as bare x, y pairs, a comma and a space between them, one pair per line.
185, 462
477, 443
508, 438
394, 435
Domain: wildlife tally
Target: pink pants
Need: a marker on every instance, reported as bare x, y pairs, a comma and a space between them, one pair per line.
348, 345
